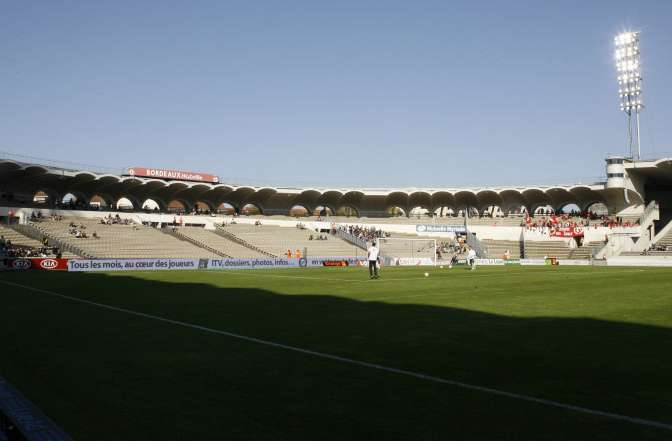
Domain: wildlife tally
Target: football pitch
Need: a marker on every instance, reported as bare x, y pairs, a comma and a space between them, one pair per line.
500, 353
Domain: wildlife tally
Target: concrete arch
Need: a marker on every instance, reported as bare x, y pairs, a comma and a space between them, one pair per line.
163, 190
487, 198
241, 195
569, 207
307, 198
179, 205
260, 196
352, 199
420, 199
542, 210
83, 178
443, 199
134, 202
330, 198
34, 170
512, 200
597, 207
152, 204
444, 210
202, 205
101, 200
347, 210
193, 193
45, 196
251, 209
535, 197
299, 210
74, 198
561, 197
465, 199
323, 210
216, 194
227, 208
492, 210
398, 199
396, 211
419, 211
107, 179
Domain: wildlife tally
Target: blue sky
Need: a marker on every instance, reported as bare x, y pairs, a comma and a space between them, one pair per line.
362, 93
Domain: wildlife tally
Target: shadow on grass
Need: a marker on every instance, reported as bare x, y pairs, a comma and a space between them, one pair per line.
108, 375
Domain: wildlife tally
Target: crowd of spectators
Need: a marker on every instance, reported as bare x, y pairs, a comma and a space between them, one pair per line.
658, 248
115, 220
365, 233
455, 246
318, 237
10, 250
547, 225
78, 231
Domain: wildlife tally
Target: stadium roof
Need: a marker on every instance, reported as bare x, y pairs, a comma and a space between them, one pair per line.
22, 180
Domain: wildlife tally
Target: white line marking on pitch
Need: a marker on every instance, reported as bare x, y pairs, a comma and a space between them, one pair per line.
517, 396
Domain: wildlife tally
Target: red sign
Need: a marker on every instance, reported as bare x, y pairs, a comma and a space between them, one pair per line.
175, 175
43, 264
567, 231
335, 263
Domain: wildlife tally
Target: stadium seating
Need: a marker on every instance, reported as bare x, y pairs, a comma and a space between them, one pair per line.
221, 244
18, 238
277, 240
22, 240
237, 240
662, 248
665, 241
497, 248
122, 241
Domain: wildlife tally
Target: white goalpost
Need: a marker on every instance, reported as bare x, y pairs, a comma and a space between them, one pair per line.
406, 251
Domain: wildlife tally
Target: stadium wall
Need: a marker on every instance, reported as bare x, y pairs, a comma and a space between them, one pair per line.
639, 261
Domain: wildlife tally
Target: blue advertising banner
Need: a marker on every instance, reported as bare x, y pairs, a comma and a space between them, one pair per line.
433, 228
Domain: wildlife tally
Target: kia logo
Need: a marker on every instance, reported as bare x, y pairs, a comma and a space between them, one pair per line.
21, 264
48, 264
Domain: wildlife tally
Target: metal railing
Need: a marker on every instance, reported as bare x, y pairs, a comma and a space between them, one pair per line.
477, 245
36, 233
181, 236
233, 238
650, 210
350, 238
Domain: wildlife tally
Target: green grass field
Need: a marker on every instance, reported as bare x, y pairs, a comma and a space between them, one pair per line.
599, 338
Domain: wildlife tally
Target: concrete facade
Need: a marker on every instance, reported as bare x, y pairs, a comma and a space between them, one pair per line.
624, 189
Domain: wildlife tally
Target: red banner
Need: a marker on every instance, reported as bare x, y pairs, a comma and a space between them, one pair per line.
43, 264
175, 175
567, 231
335, 263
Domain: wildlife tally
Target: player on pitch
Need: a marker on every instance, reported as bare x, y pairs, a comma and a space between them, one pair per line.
471, 258
372, 257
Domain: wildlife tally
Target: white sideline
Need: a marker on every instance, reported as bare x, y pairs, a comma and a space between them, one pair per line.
517, 396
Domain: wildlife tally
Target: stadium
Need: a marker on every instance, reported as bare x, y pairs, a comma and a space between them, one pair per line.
159, 303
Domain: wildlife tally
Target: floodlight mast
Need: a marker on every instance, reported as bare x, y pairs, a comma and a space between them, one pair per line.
630, 85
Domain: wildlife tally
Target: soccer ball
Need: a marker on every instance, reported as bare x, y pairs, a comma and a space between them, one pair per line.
426, 274
441, 266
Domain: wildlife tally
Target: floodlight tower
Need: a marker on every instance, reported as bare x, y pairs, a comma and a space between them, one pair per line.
630, 85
